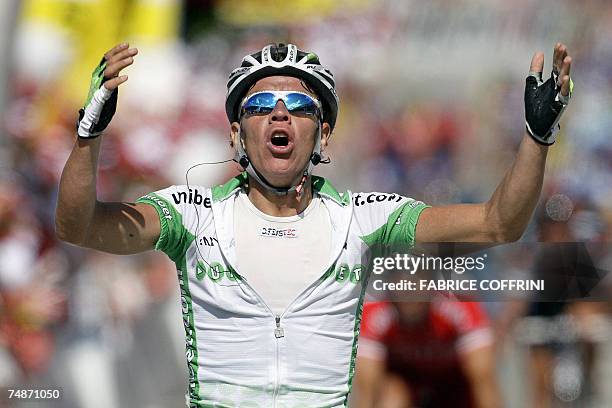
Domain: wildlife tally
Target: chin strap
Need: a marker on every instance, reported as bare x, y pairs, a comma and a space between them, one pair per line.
242, 158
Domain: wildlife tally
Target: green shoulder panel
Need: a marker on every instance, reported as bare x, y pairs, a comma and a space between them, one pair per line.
174, 238
324, 187
400, 227
221, 192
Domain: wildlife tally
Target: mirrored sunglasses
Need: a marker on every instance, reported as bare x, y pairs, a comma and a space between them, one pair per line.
296, 102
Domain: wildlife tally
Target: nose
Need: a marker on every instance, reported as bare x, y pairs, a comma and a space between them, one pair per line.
280, 113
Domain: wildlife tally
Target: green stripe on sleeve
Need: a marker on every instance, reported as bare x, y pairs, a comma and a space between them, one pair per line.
400, 227
173, 238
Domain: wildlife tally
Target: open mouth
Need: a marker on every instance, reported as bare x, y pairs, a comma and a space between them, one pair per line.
280, 140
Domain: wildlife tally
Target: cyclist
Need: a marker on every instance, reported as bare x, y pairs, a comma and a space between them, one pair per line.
437, 353
269, 263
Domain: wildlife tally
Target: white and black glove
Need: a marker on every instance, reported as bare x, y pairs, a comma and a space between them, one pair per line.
100, 106
102, 98
545, 102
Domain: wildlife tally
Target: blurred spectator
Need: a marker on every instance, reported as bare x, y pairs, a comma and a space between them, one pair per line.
562, 333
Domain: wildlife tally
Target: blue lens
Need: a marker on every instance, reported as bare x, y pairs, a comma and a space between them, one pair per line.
265, 102
300, 103
260, 103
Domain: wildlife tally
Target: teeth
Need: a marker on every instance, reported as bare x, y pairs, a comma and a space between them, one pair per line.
280, 139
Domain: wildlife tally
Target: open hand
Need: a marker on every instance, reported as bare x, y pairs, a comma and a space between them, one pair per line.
562, 63
117, 58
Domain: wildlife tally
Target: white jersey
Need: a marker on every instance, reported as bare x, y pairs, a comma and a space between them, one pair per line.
239, 352
281, 256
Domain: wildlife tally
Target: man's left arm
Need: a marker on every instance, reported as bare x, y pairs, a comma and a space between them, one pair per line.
504, 217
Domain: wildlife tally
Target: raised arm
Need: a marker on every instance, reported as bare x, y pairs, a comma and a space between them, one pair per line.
119, 228
504, 217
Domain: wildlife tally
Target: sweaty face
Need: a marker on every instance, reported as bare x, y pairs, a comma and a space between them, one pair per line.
279, 144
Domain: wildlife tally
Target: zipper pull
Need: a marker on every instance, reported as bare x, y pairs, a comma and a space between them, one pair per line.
279, 331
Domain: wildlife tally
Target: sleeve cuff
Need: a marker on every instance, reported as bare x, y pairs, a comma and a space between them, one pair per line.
162, 241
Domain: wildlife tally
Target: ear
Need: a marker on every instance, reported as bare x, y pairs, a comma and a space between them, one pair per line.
234, 134
325, 135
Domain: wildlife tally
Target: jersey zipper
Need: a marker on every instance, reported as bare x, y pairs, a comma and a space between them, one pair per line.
278, 333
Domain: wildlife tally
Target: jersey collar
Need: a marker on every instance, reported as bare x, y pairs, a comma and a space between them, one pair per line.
320, 185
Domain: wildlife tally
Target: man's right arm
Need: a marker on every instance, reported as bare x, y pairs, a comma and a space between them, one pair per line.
119, 228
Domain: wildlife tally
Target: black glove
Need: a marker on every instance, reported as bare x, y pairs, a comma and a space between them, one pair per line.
544, 106
99, 108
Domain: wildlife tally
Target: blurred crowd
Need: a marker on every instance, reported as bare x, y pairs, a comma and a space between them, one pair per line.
431, 107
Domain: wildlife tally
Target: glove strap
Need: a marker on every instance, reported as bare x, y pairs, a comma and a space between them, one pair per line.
90, 115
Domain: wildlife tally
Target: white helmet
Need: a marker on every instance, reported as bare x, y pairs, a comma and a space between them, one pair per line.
282, 60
